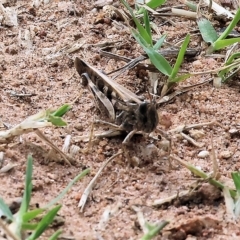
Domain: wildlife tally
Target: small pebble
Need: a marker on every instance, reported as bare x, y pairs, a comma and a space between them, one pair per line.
225, 154
196, 134
52, 176
203, 154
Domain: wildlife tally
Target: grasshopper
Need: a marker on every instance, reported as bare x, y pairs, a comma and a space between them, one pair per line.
134, 114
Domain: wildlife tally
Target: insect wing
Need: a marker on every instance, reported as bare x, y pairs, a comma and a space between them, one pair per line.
101, 99
125, 94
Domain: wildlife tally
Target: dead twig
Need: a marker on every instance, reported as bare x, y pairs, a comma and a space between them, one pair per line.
213, 157
89, 188
52, 145
7, 230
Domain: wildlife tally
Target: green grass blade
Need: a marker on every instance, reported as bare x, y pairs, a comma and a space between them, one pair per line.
157, 59
44, 223
179, 78
152, 4
154, 230
61, 110
28, 187
180, 57
232, 57
55, 117
5, 210
219, 44
147, 24
26, 196
159, 43
230, 27
61, 195
140, 28
32, 214
228, 62
29, 226
207, 31
155, 3
56, 121
204, 175
237, 208
55, 235
191, 5
236, 180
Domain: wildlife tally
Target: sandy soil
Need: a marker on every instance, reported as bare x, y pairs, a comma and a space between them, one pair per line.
34, 60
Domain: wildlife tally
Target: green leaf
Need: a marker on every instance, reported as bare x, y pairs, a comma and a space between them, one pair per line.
207, 31
29, 226
152, 4
219, 44
204, 175
230, 60
180, 57
55, 235
231, 26
28, 187
26, 196
61, 195
157, 59
32, 214
191, 5
143, 32
155, 3
57, 121
236, 180
44, 223
159, 43
232, 57
147, 24
154, 230
5, 210
61, 110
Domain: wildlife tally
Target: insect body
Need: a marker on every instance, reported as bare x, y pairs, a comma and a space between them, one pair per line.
134, 114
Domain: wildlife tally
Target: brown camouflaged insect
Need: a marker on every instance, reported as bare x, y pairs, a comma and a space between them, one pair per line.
134, 114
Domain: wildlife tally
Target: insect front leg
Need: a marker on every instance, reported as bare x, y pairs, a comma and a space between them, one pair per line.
111, 125
128, 137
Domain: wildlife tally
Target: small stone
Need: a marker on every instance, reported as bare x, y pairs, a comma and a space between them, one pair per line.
197, 64
54, 63
225, 154
233, 131
210, 192
134, 161
203, 154
52, 176
103, 143
77, 36
32, 11
78, 127
196, 134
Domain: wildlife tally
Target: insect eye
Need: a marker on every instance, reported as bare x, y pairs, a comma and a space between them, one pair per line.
143, 107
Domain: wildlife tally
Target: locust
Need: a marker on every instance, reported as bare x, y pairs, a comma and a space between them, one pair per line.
126, 111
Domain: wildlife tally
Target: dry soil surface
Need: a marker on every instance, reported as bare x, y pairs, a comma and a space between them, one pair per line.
36, 58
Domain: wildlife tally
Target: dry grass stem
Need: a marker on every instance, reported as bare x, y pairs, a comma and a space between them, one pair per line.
89, 188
